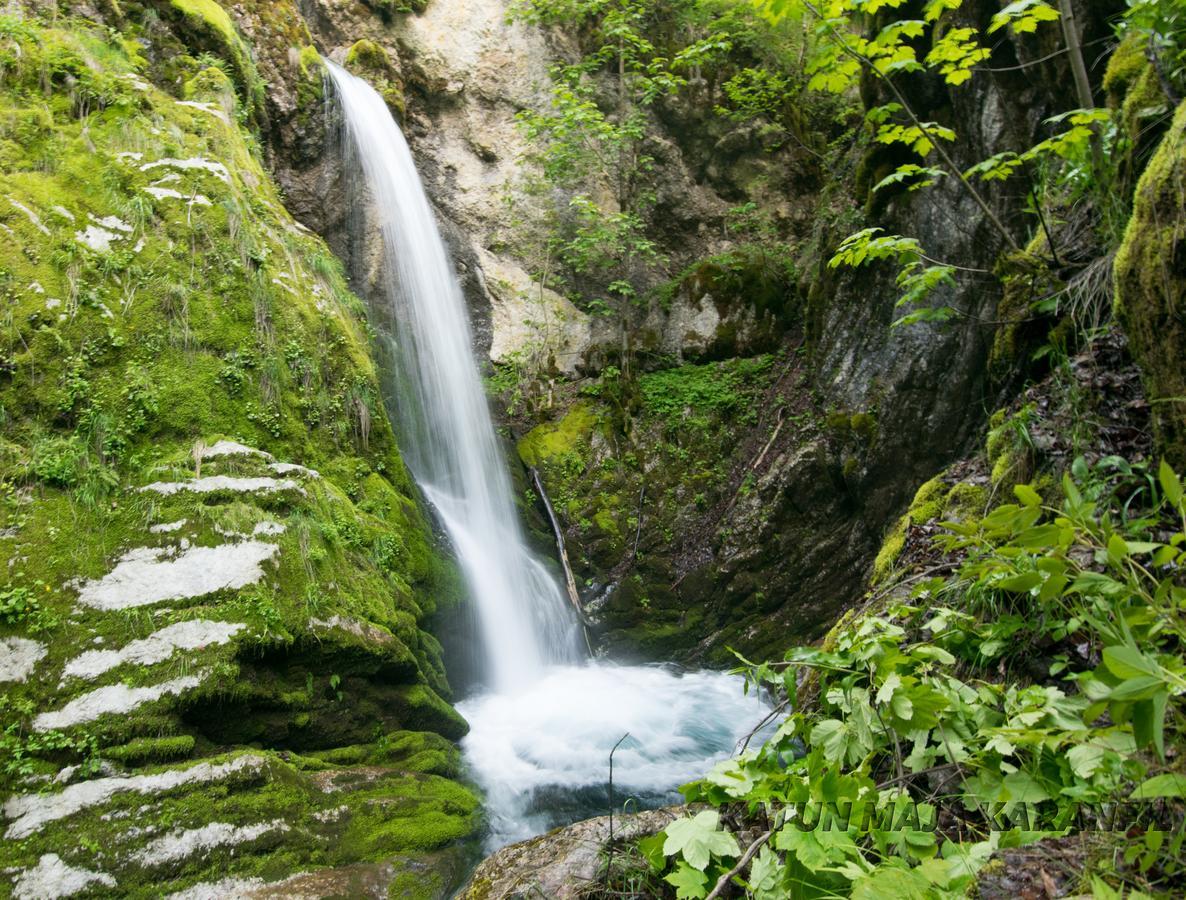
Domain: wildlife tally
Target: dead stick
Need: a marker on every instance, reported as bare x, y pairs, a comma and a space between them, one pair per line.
750, 852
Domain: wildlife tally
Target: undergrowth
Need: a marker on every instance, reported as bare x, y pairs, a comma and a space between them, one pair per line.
1032, 694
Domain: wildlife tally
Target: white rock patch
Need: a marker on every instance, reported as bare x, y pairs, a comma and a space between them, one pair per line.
18, 656
29, 813
163, 193
178, 845
51, 878
114, 698
112, 222
224, 483
167, 527
98, 239
157, 647
197, 162
33, 217
149, 575
232, 448
215, 111
293, 469
267, 529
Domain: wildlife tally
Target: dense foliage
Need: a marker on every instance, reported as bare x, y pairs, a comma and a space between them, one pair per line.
1034, 692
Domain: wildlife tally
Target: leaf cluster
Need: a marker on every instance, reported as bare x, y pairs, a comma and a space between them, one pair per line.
919, 742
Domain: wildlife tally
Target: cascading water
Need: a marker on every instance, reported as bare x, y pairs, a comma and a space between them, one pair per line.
542, 730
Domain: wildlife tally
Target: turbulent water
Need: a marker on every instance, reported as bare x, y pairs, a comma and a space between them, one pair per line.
542, 754
542, 731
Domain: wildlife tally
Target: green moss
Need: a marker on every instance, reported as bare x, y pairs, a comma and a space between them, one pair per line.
198, 322
1126, 65
560, 441
311, 62
927, 504
864, 425
1151, 288
208, 19
151, 749
367, 55
1026, 278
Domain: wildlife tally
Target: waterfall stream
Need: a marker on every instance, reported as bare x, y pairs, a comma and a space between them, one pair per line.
542, 728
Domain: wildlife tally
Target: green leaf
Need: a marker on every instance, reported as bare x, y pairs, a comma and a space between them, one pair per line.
1021, 787
1148, 721
1170, 784
1027, 495
1117, 549
1129, 662
689, 883
1020, 583
1142, 687
816, 849
766, 875
651, 848
699, 839
1085, 759
892, 883
1171, 485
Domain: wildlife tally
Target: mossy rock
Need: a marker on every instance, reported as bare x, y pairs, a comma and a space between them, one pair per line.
936, 500
209, 24
562, 442
1150, 273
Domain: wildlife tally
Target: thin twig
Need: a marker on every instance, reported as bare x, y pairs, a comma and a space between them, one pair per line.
609, 858
749, 854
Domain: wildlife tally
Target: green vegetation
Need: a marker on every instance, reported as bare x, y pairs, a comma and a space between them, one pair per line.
159, 299
1022, 695
592, 141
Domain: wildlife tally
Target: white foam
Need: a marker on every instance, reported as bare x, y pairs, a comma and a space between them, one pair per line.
556, 734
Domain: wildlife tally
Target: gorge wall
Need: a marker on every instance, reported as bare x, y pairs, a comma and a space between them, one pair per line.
225, 604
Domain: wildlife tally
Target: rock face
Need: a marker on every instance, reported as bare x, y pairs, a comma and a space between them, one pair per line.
562, 862
707, 527
1151, 286
213, 645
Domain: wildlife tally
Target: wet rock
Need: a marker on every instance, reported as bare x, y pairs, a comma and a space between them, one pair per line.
560, 863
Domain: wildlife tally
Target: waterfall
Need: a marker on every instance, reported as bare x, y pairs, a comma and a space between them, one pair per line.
448, 437
541, 733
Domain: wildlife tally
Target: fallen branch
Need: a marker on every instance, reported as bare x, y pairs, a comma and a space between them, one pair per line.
569, 581
750, 852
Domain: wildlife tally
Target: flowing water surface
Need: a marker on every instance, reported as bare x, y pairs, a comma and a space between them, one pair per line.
543, 728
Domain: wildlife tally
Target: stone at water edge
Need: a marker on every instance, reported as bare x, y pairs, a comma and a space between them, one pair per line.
558, 864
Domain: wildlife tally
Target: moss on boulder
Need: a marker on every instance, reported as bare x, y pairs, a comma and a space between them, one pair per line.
214, 553
1150, 271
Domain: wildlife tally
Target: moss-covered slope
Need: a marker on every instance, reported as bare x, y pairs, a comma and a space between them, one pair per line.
211, 541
